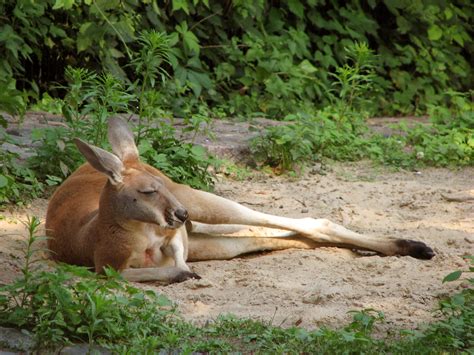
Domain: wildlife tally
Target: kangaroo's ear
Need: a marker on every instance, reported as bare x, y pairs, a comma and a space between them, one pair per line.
121, 140
102, 161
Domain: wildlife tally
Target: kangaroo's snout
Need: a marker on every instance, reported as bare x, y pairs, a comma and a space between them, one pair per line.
176, 217
181, 214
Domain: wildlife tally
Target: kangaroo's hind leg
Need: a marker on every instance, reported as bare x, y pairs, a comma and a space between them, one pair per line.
211, 209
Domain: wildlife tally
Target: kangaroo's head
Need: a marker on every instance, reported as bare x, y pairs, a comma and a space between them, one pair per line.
131, 193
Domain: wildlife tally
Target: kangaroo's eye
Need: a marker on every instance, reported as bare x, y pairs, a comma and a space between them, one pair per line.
147, 192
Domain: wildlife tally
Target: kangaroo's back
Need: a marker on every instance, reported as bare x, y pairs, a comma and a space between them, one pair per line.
73, 205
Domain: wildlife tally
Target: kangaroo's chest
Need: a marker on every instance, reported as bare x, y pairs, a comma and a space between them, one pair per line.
149, 245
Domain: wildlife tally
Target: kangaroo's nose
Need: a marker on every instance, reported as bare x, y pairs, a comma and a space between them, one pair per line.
181, 214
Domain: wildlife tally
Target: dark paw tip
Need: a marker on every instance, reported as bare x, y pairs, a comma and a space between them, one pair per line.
418, 250
196, 276
186, 275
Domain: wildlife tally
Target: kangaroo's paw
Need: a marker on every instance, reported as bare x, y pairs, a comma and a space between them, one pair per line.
418, 250
185, 275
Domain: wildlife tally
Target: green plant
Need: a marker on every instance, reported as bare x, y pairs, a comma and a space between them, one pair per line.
355, 80
285, 146
56, 156
92, 99
235, 171
336, 132
455, 331
73, 304
447, 141
18, 183
457, 113
272, 72
11, 99
249, 57
182, 162
148, 66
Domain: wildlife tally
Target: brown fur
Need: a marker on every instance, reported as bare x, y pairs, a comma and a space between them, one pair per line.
103, 215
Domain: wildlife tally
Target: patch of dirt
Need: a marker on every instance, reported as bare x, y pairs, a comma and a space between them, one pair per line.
318, 287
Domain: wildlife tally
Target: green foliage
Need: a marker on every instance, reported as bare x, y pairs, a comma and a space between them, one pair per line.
455, 331
284, 146
355, 81
322, 66
276, 76
18, 183
56, 156
182, 162
457, 113
92, 99
246, 57
326, 134
339, 131
74, 304
11, 99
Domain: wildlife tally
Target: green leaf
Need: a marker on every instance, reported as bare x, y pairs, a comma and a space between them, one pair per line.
57, 31
458, 38
64, 168
453, 276
181, 5
199, 150
3, 181
63, 4
448, 13
83, 42
194, 84
84, 27
403, 24
191, 41
296, 7
173, 38
435, 32
115, 53
307, 67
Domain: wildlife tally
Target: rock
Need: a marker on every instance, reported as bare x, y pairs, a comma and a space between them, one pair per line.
14, 339
83, 349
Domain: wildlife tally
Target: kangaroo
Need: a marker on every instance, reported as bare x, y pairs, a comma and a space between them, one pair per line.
117, 211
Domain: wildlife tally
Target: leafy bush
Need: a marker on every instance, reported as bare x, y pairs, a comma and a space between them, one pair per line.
339, 131
325, 134
284, 146
92, 99
56, 155
246, 56
182, 162
74, 304
18, 183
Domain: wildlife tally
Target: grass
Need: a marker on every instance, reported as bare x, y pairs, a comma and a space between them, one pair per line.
73, 305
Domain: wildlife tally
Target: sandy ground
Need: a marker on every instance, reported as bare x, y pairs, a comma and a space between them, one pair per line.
318, 287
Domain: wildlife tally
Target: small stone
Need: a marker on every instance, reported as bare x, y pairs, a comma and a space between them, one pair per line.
197, 284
